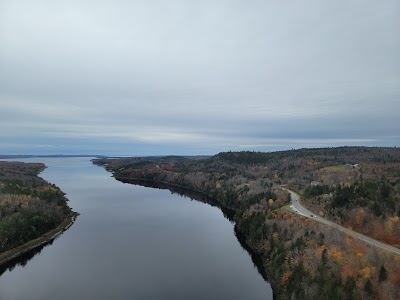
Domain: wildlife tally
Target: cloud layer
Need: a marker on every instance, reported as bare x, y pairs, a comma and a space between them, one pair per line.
162, 77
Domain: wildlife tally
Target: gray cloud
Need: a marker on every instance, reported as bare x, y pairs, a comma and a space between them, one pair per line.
157, 77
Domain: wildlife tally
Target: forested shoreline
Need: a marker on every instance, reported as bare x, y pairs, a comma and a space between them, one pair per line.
32, 211
304, 259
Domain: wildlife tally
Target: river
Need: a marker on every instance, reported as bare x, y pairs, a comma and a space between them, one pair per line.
133, 242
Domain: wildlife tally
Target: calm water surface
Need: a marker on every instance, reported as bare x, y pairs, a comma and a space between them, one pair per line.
134, 242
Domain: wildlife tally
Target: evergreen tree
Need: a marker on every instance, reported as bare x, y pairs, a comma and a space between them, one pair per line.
383, 274
324, 257
368, 288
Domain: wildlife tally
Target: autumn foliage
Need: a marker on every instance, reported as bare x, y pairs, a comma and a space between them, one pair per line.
357, 187
29, 206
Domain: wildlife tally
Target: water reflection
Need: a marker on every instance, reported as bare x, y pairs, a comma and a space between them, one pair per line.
135, 242
255, 257
23, 259
184, 192
198, 196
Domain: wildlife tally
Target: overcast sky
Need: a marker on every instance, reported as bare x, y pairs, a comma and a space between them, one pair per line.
197, 77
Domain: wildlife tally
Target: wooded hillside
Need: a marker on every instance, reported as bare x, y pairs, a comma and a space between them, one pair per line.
29, 205
354, 186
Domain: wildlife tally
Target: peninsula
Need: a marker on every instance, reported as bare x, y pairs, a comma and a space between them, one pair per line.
32, 211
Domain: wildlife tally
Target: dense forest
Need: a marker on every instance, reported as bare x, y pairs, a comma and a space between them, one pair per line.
303, 258
29, 205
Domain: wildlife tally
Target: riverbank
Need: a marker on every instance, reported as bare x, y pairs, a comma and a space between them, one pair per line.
44, 239
255, 252
228, 212
305, 259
